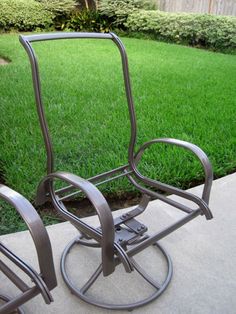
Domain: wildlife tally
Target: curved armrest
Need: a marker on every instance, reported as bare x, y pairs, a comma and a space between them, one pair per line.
107, 235
37, 231
202, 158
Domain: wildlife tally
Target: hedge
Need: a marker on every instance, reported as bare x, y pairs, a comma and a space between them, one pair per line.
28, 15
117, 11
24, 15
210, 31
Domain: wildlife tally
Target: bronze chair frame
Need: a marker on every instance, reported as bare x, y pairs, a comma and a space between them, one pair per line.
121, 238
45, 280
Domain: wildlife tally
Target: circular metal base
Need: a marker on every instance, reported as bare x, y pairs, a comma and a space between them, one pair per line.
81, 292
6, 299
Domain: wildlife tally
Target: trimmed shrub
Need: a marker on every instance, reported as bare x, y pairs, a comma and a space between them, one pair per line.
24, 15
61, 11
28, 15
118, 10
210, 31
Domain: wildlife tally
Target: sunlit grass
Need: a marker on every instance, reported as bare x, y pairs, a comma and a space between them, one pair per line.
179, 92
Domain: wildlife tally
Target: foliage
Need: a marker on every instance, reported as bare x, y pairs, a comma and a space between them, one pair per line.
88, 20
210, 31
58, 6
118, 10
61, 11
24, 15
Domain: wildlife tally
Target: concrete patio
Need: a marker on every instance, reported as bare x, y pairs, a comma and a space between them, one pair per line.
203, 254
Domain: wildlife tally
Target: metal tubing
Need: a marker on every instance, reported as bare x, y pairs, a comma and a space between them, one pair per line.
199, 153
46, 279
39, 102
89, 299
93, 179
72, 35
18, 282
25, 41
185, 195
159, 235
92, 279
161, 197
105, 235
70, 196
145, 275
101, 207
5, 298
35, 277
13, 304
129, 96
37, 231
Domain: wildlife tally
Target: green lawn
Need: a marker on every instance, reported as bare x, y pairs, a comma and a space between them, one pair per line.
179, 92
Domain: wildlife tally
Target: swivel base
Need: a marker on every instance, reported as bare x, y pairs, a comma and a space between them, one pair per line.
156, 288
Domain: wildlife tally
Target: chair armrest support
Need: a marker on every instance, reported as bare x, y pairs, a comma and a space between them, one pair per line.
107, 234
199, 153
37, 230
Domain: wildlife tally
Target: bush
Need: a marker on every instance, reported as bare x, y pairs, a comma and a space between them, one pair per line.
24, 15
61, 11
28, 15
118, 10
58, 6
210, 31
88, 20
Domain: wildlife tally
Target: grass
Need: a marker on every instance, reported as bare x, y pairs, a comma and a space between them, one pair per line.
179, 92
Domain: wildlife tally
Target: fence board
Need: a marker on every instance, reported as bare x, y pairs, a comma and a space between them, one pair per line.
219, 7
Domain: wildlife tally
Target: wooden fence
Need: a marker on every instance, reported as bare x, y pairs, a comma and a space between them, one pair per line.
219, 7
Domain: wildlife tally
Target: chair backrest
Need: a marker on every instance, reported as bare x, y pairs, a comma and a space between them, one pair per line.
27, 41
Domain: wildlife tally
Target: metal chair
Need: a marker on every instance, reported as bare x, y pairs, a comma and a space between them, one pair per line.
120, 239
45, 280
